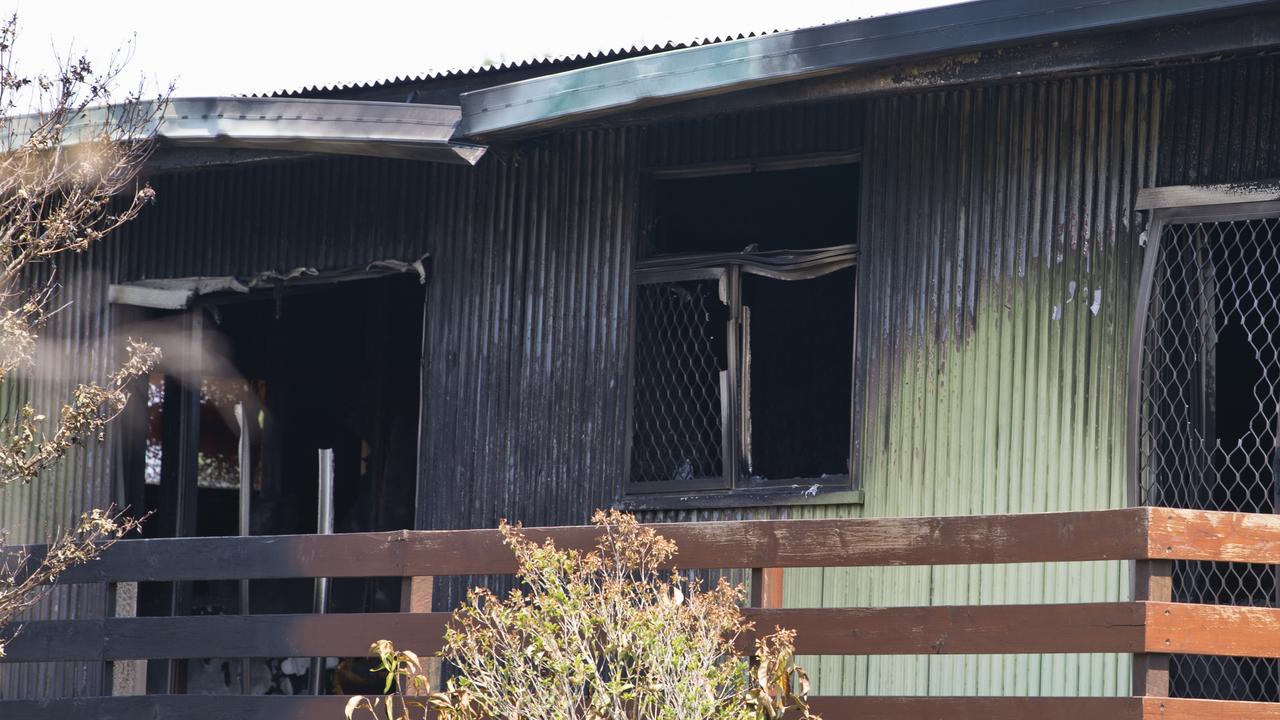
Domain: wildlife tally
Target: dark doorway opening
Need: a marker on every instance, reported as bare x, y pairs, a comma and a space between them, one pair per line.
332, 366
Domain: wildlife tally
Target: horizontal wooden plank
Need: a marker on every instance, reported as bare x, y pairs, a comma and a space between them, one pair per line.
1125, 627
1208, 535
1182, 709
337, 635
1040, 708
179, 707
1213, 630
278, 707
948, 630
1086, 627
1033, 537
977, 708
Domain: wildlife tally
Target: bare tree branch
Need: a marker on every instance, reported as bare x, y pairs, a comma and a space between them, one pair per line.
70, 152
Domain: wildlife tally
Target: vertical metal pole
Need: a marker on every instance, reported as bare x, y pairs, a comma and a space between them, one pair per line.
246, 490
324, 526
180, 477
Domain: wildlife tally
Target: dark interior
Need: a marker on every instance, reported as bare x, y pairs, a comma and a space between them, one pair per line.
801, 344
800, 336
327, 366
778, 210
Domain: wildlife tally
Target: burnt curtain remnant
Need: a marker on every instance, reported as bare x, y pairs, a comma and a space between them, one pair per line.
744, 328
1209, 410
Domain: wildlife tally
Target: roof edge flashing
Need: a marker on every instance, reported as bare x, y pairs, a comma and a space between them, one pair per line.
695, 72
293, 125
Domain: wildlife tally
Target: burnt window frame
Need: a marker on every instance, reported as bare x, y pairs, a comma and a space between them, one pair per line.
1165, 206
735, 488
1170, 211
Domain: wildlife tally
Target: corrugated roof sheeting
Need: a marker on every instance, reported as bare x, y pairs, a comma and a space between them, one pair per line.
547, 64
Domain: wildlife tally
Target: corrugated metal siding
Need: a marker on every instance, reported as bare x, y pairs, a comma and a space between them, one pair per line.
528, 303
527, 337
995, 220
991, 217
70, 352
1224, 123
528, 395
996, 281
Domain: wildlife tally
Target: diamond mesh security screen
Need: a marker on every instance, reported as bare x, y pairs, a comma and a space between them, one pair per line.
677, 436
1210, 382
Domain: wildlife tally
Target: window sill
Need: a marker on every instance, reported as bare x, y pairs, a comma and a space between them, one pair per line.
743, 498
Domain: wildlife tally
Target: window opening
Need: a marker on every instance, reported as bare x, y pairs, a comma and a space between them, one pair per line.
744, 332
1208, 406
799, 375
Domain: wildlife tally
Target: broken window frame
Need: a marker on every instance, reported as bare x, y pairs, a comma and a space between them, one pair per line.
728, 268
725, 282
1230, 584
1165, 206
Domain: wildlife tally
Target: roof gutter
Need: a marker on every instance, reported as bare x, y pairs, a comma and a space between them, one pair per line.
274, 125
725, 67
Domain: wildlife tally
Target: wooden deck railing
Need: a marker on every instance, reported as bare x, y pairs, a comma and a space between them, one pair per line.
1148, 626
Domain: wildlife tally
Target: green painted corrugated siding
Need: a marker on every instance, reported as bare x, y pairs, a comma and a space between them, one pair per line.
996, 221
73, 349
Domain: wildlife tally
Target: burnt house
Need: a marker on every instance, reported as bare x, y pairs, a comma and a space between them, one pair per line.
997, 257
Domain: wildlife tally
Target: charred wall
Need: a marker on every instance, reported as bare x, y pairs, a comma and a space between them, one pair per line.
999, 267
526, 360
992, 217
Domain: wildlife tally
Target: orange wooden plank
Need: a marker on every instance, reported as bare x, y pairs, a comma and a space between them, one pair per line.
1213, 630
1207, 535
1182, 709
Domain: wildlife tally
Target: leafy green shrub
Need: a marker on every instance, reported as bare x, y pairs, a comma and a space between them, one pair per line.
611, 634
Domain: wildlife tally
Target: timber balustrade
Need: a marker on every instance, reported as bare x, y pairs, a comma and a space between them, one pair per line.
1149, 626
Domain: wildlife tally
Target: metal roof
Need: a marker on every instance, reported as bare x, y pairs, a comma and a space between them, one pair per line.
728, 66
548, 64
344, 127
